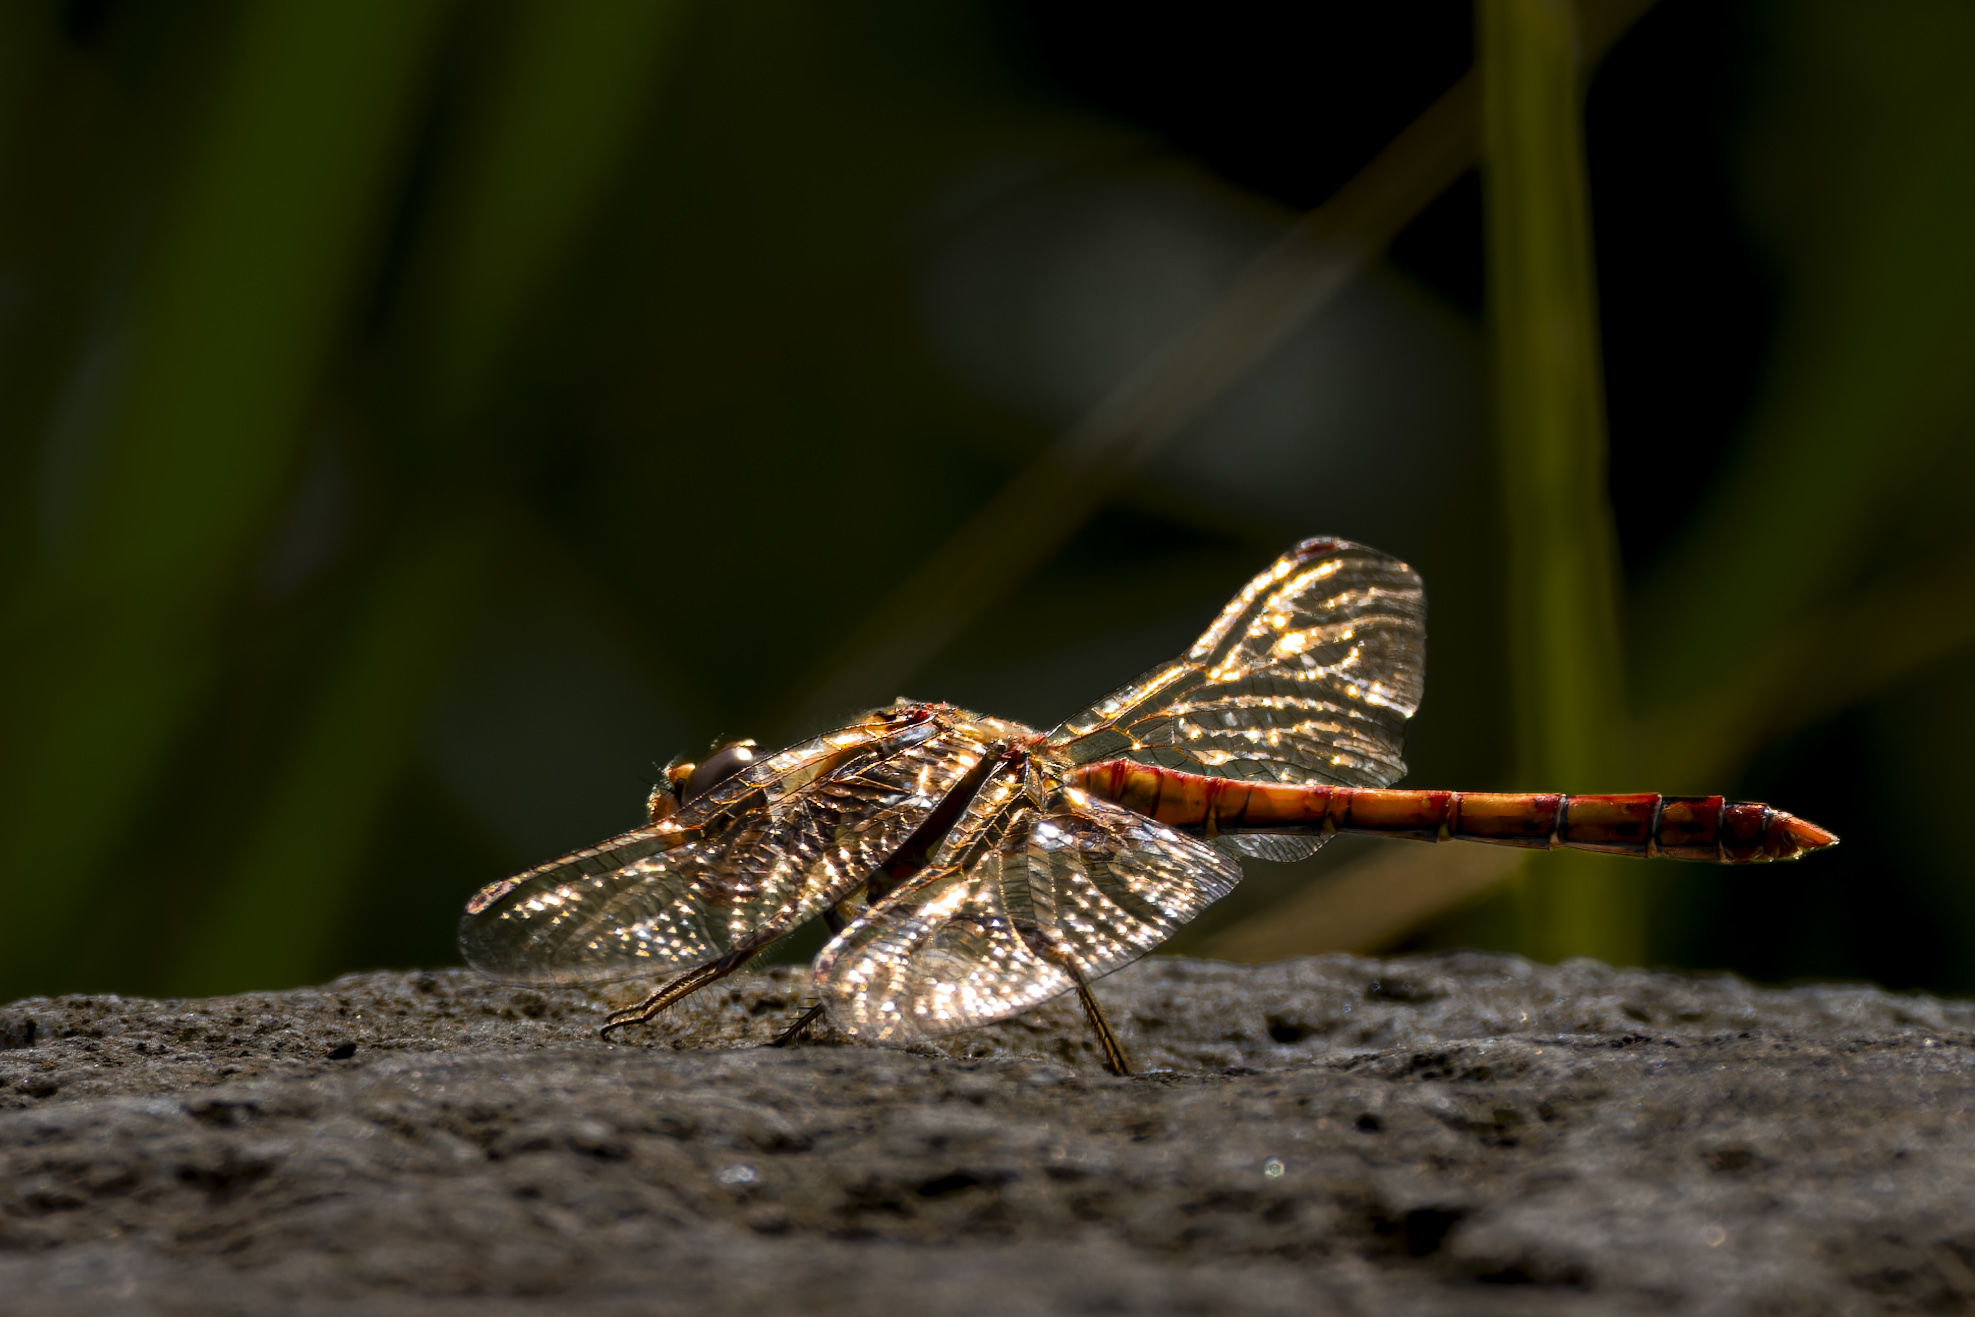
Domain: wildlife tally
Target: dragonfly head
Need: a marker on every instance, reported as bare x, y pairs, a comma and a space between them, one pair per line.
685, 780
710, 772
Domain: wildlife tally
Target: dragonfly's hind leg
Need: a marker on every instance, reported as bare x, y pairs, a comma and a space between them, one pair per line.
794, 1033
1107, 1042
677, 990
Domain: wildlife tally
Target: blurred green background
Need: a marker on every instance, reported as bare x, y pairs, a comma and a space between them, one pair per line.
420, 418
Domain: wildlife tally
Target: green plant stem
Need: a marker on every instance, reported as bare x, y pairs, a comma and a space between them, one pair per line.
116, 629
1560, 565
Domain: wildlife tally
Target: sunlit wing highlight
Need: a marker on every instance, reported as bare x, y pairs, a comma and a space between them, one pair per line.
756, 856
1022, 900
1308, 675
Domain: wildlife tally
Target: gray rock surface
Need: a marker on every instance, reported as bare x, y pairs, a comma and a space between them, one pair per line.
1451, 1134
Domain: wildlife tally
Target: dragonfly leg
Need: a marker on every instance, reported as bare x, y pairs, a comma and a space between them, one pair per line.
1107, 1042
677, 990
794, 1033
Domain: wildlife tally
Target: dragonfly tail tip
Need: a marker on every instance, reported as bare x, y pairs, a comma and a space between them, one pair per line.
1799, 836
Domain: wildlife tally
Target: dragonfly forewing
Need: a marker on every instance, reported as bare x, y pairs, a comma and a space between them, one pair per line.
754, 857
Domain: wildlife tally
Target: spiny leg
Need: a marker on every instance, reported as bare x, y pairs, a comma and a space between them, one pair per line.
1055, 952
677, 990
836, 921
794, 1033
1114, 1051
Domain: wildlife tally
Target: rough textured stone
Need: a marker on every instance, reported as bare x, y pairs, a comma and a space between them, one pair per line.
1451, 1134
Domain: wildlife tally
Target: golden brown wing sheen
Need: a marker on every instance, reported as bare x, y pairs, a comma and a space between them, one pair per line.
1308, 675
754, 857
1021, 896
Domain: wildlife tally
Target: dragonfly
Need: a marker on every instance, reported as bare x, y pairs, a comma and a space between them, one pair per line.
970, 868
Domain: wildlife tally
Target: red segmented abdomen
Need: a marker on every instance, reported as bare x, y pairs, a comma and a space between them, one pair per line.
1705, 828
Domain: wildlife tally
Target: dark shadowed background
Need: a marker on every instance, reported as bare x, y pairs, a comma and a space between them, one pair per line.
421, 419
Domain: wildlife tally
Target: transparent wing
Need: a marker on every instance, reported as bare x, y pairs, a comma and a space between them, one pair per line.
1308, 675
1021, 898
751, 859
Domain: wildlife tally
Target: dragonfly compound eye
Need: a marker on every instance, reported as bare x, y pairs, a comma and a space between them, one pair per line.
717, 767
670, 793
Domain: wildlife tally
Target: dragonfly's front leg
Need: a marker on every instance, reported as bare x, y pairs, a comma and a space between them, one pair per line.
677, 990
